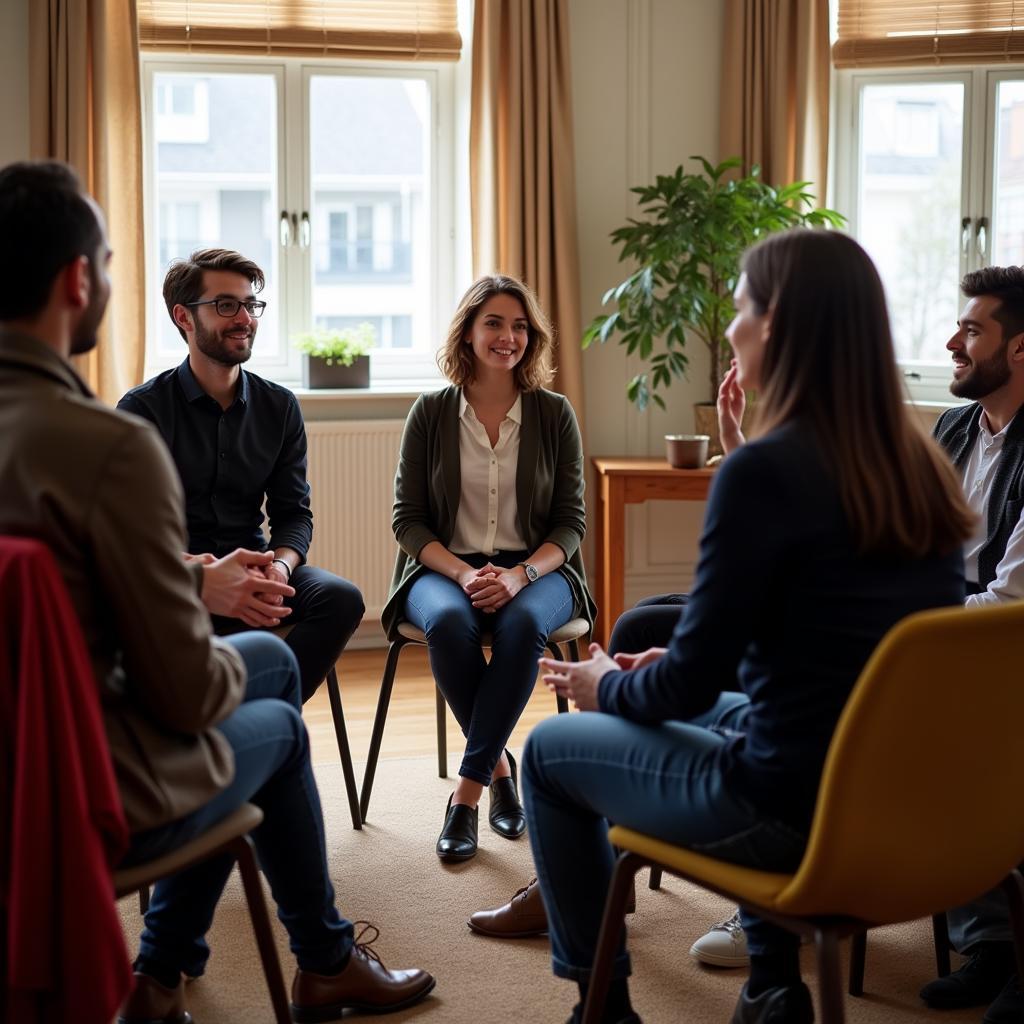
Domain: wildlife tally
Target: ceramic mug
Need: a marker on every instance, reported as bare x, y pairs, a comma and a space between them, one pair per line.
687, 451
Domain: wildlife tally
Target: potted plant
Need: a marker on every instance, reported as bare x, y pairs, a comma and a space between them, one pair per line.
336, 358
687, 246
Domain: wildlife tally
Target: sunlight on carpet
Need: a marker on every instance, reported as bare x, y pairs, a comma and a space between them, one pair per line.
388, 874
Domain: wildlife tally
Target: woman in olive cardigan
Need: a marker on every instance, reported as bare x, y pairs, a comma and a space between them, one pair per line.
489, 516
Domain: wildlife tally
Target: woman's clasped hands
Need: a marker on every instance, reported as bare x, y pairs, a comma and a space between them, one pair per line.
491, 587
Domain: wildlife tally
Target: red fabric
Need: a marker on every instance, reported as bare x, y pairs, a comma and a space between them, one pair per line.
65, 957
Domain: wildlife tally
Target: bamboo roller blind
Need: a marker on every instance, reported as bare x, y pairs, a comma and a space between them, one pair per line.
887, 33
381, 29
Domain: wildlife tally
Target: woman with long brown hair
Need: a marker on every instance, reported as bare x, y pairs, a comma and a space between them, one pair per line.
837, 519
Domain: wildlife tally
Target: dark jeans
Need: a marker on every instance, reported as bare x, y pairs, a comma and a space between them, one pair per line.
487, 698
273, 771
326, 610
581, 771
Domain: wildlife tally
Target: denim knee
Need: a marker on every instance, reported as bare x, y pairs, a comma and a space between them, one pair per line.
271, 665
451, 626
345, 601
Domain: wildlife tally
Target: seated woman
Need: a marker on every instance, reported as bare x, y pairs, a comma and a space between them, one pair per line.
837, 520
489, 517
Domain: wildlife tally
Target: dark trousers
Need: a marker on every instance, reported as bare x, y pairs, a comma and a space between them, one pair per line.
649, 623
326, 610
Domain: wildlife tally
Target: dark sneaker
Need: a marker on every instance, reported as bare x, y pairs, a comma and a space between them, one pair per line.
977, 982
787, 1004
1009, 1005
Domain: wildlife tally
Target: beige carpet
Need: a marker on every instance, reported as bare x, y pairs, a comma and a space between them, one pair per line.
388, 874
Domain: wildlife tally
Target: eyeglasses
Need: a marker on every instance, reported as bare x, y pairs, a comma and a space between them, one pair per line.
229, 307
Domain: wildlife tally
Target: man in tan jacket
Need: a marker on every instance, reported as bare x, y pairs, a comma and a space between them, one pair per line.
196, 725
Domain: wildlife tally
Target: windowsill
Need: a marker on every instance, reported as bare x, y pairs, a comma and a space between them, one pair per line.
378, 389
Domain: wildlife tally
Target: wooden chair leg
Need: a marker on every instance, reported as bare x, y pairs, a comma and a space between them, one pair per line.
830, 982
940, 930
242, 848
858, 954
1013, 886
386, 684
654, 882
612, 925
344, 751
440, 710
144, 900
562, 703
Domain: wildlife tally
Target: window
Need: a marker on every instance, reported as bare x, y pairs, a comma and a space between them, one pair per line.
930, 172
336, 177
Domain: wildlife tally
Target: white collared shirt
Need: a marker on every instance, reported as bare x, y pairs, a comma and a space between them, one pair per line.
488, 520
979, 475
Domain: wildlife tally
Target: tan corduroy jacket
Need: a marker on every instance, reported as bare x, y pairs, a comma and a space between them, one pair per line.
98, 487
549, 488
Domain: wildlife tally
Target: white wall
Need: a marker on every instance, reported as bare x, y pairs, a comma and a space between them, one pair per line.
645, 98
14, 80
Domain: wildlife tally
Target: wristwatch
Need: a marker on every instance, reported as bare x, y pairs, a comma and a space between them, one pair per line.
531, 572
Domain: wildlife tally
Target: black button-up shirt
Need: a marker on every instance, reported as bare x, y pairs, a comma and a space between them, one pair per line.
230, 460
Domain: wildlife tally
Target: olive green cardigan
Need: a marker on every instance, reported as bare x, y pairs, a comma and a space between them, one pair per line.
549, 489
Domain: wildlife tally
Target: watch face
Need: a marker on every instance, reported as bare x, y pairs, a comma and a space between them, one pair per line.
531, 572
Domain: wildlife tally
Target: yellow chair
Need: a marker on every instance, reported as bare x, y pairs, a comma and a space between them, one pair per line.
892, 838
570, 634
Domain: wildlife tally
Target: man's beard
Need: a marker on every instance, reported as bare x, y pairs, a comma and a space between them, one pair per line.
983, 378
214, 347
84, 338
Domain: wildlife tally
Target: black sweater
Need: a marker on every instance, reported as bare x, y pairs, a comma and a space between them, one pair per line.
784, 607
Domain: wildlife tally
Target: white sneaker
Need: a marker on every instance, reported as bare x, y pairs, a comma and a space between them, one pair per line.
725, 945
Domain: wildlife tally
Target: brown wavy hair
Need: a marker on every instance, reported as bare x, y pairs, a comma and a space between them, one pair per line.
534, 370
829, 360
184, 281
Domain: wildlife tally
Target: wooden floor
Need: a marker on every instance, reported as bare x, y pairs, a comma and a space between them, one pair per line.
411, 730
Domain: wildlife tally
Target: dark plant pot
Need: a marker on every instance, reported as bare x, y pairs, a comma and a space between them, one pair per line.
317, 374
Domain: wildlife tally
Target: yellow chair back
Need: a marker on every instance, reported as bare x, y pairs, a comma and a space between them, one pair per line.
921, 805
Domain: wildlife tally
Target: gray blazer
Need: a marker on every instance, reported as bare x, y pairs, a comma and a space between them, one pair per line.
549, 489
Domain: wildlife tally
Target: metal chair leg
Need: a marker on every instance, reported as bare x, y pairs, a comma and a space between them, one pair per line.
344, 751
386, 684
830, 982
654, 882
144, 900
612, 925
242, 848
940, 930
442, 733
858, 955
562, 703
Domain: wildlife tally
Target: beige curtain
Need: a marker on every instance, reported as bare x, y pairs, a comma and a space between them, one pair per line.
86, 110
522, 167
774, 96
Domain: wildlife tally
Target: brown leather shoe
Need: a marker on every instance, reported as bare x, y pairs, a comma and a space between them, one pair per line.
523, 917
153, 1003
364, 984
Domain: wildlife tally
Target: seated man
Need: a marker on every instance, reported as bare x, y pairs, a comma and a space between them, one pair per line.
196, 725
238, 440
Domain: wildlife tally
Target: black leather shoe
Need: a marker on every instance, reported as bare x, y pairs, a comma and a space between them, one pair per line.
977, 982
457, 840
577, 1016
1009, 1005
507, 816
787, 1004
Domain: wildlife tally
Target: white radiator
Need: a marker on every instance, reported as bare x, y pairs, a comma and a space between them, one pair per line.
352, 475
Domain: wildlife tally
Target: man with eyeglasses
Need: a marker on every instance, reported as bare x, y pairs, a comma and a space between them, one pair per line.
238, 442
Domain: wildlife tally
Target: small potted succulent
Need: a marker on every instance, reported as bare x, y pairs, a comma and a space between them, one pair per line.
336, 358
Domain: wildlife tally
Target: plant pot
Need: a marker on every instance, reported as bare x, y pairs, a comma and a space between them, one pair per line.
316, 373
686, 451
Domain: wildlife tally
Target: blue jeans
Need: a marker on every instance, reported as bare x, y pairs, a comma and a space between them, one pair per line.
581, 771
487, 698
273, 771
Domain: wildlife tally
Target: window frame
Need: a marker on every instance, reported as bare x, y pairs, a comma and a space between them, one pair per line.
929, 382
414, 369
